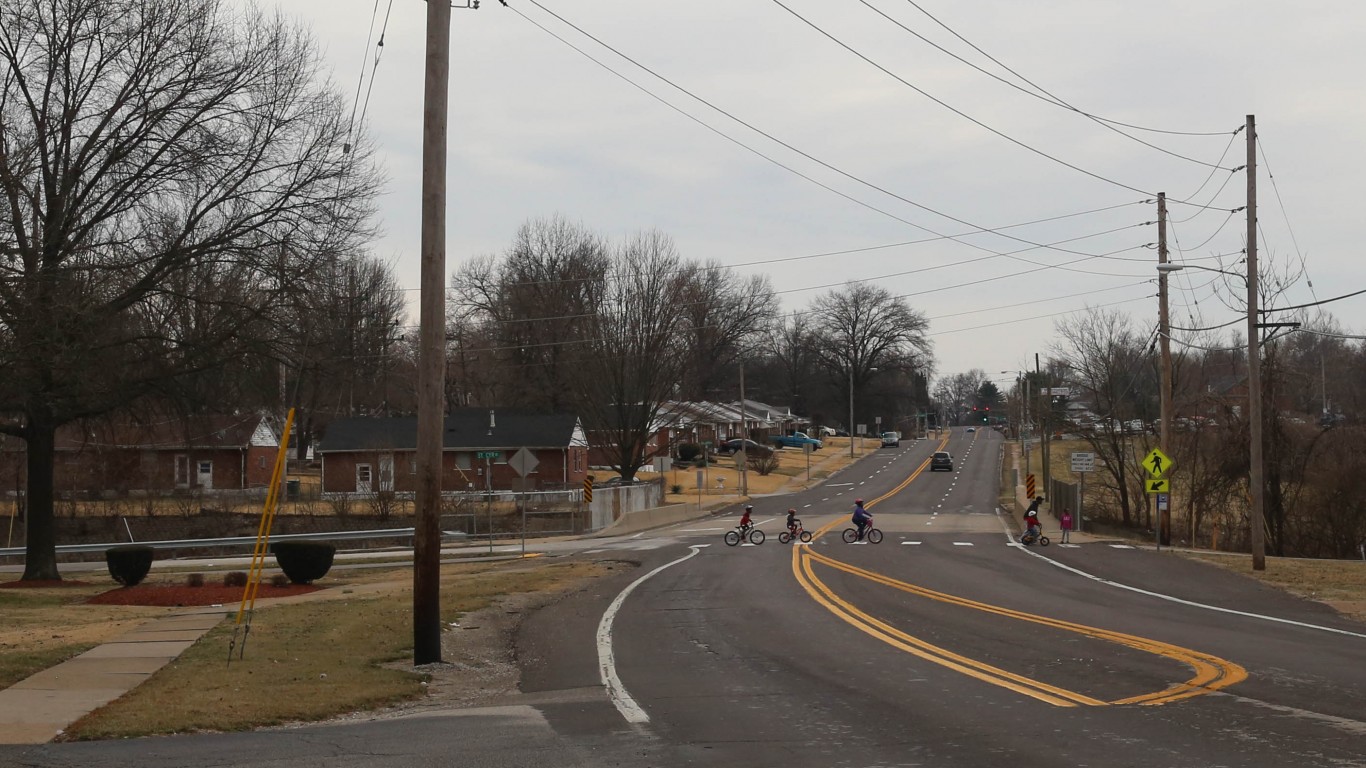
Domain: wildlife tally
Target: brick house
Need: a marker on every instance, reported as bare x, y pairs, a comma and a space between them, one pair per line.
370, 455
119, 458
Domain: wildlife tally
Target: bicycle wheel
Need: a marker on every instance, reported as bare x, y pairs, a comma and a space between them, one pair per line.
756, 536
850, 534
732, 538
784, 537
806, 537
1043, 541
874, 536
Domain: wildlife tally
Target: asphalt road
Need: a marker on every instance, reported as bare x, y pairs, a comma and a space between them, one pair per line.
945, 645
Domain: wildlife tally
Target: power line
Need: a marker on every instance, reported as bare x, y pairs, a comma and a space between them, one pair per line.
1059, 101
1314, 303
954, 109
766, 135
1043, 95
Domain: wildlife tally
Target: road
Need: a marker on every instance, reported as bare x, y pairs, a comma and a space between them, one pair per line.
945, 645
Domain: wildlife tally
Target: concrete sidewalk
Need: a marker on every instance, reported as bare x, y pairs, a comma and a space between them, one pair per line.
37, 709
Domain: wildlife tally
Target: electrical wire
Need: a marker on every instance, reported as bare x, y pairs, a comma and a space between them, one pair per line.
1041, 89
1042, 94
763, 133
1269, 310
954, 109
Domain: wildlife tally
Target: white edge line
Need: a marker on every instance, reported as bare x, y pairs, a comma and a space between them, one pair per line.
1180, 601
607, 666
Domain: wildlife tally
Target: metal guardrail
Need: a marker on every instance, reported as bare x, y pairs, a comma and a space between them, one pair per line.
237, 541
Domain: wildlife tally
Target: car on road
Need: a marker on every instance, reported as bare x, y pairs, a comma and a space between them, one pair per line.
891, 439
972, 429
751, 448
941, 460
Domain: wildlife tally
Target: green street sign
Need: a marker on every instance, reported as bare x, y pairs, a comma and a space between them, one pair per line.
488, 454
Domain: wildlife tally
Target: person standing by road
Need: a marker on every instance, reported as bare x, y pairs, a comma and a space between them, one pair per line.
1066, 522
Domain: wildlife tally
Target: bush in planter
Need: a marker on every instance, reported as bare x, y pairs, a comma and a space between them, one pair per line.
303, 561
235, 579
129, 564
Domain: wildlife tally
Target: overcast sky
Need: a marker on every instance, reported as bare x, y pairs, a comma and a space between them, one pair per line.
877, 171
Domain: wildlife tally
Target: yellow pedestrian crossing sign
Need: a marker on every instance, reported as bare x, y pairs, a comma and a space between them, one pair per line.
1158, 485
1157, 463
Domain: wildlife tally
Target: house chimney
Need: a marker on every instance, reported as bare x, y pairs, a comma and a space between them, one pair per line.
491, 424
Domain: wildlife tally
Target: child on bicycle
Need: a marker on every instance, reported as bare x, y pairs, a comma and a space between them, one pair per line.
793, 524
745, 522
1032, 526
861, 518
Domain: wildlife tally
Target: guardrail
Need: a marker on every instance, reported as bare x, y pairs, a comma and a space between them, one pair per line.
237, 541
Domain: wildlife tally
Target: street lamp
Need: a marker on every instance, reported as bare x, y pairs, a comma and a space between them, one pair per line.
1257, 536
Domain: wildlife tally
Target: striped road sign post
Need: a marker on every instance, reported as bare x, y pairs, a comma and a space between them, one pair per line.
1029, 486
588, 490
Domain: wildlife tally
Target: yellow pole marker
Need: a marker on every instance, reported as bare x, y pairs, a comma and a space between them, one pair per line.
259, 552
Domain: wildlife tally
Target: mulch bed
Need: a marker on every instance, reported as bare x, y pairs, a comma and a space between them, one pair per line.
177, 595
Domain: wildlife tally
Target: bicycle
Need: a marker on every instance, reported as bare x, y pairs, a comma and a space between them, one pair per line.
796, 532
1027, 538
873, 535
744, 533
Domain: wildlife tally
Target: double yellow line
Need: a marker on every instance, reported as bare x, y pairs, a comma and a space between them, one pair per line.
1210, 672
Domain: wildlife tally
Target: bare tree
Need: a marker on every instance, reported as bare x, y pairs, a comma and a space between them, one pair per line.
633, 352
534, 305
721, 314
1104, 357
155, 155
862, 330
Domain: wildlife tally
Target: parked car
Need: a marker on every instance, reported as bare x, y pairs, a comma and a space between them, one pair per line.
891, 439
972, 429
941, 460
752, 448
796, 440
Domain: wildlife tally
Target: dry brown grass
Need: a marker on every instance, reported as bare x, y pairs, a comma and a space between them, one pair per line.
46, 626
790, 474
309, 660
1338, 583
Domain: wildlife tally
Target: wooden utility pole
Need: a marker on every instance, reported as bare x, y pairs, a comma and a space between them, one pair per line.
432, 341
1165, 344
744, 435
1256, 487
1045, 400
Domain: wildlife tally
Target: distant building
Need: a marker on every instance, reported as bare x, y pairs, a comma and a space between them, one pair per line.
372, 455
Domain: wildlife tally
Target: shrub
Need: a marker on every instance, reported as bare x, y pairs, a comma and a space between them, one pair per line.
764, 465
279, 580
675, 489
194, 580
235, 579
689, 451
304, 561
129, 564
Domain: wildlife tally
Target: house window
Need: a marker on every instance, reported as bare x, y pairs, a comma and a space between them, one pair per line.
363, 473
262, 461
462, 459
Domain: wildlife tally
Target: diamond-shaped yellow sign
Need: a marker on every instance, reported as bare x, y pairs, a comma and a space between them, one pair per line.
1157, 485
1157, 463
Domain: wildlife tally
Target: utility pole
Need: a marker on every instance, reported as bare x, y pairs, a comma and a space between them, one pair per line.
1165, 344
432, 334
1045, 396
744, 435
1256, 488
851, 403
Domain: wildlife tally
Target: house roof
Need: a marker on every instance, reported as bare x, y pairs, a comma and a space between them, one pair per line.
204, 432
465, 428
